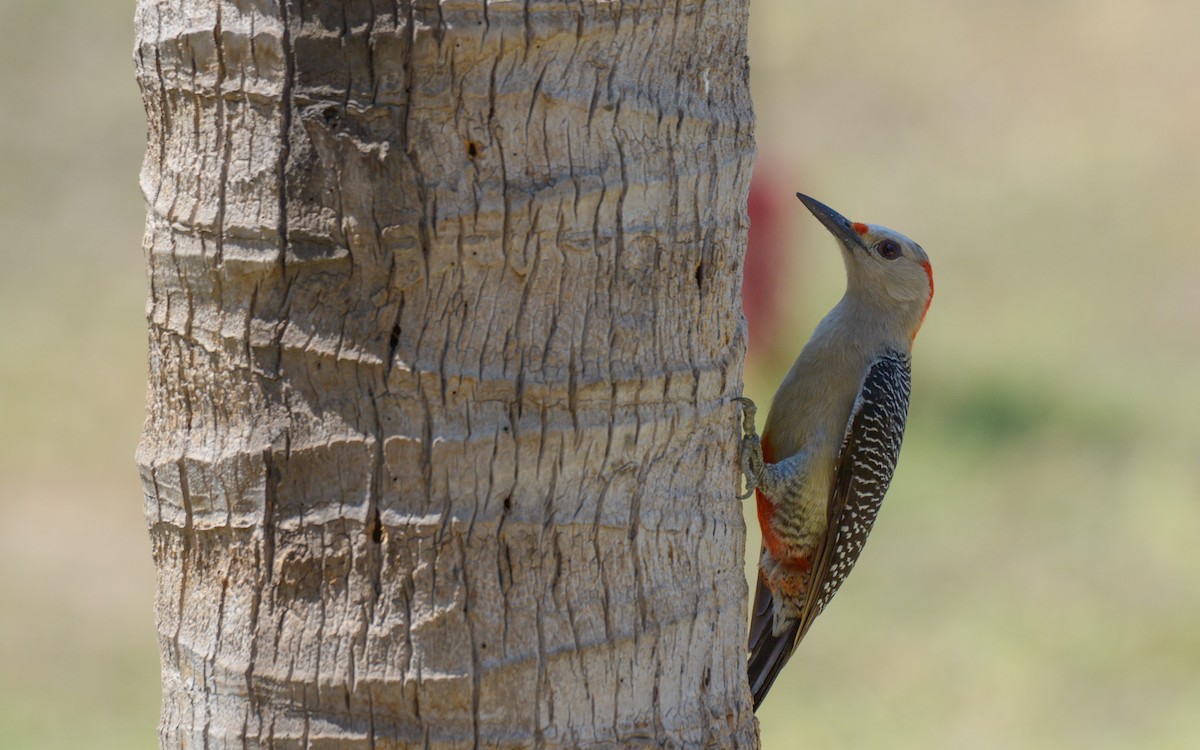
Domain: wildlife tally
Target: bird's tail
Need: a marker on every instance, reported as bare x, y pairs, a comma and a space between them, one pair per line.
768, 652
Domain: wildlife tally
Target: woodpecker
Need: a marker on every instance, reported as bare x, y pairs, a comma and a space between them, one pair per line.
832, 437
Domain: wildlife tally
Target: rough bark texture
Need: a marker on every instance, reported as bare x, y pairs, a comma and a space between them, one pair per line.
444, 324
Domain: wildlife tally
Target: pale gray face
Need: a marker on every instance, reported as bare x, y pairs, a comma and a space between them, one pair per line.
881, 264
888, 264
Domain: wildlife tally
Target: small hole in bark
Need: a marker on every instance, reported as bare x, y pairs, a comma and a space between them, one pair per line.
508, 503
394, 340
700, 275
331, 116
472, 149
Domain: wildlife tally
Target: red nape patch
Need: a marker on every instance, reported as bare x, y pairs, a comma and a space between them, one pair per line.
929, 300
859, 228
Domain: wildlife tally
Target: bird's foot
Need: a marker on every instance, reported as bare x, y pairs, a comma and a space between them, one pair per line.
750, 456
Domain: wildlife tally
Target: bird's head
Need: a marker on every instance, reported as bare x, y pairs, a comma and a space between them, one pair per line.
883, 267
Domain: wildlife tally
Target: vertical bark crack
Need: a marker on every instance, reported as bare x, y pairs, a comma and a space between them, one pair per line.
285, 132
224, 147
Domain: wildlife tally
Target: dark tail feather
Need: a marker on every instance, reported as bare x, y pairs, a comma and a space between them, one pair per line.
768, 652
762, 615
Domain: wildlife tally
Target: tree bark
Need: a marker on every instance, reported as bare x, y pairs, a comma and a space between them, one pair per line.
444, 327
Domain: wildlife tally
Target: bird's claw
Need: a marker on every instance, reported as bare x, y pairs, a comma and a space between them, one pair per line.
750, 456
749, 411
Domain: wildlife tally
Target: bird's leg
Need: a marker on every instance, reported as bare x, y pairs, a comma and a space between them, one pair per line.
750, 455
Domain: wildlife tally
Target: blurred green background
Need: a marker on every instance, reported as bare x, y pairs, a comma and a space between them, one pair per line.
1034, 580
78, 654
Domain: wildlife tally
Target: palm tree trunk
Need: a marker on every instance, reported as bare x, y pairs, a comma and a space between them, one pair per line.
444, 326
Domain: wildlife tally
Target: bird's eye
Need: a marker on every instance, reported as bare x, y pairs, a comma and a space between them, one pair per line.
889, 249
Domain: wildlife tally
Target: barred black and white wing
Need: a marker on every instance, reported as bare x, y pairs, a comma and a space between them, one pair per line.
864, 470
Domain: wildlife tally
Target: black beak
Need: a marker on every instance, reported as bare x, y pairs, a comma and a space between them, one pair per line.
837, 224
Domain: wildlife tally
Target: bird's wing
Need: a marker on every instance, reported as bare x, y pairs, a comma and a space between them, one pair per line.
863, 472
862, 475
